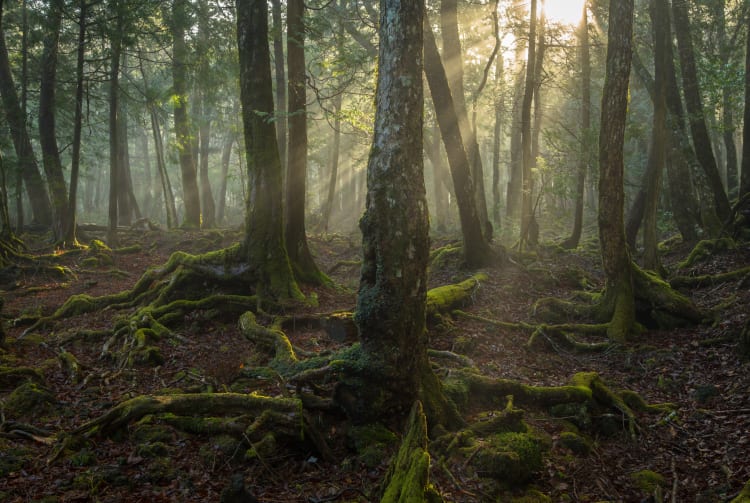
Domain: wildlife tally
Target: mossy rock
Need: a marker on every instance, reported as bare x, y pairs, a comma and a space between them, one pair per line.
29, 401
576, 413
373, 443
581, 446
511, 458
152, 450
648, 481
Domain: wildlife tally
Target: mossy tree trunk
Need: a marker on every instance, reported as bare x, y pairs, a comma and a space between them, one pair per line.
619, 297
390, 311
263, 247
300, 257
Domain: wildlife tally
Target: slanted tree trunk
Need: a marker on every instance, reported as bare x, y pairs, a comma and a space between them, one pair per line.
47, 129
303, 265
745, 171
190, 192
390, 311
477, 251
698, 128
16, 118
453, 65
263, 246
583, 155
616, 260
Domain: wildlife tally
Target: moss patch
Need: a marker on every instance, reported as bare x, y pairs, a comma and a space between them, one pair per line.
29, 401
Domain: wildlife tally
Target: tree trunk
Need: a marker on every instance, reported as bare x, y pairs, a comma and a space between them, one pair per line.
14, 115
496, 142
183, 133
206, 92
515, 180
296, 183
207, 198
584, 155
526, 152
453, 65
226, 155
75, 161
477, 251
745, 173
114, 110
336, 145
698, 128
390, 312
727, 108
125, 203
615, 256
47, 129
279, 73
263, 246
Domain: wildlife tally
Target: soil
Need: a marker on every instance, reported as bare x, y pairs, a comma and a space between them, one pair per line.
700, 450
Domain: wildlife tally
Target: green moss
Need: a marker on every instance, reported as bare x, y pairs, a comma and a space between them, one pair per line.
512, 458
152, 450
705, 249
90, 262
577, 444
29, 400
145, 432
647, 480
84, 457
532, 496
160, 470
262, 449
99, 246
149, 356
744, 496
444, 298
372, 442
128, 249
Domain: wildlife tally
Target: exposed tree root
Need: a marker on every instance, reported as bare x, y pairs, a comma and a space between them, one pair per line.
744, 495
408, 476
442, 299
709, 279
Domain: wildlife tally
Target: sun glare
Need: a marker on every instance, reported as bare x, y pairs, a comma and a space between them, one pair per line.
567, 12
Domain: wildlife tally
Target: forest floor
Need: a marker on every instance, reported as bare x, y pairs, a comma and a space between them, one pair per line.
701, 451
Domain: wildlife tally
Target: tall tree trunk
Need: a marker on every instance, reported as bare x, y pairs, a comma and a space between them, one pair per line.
280, 75
263, 246
745, 172
114, 110
226, 155
526, 151
208, 207
532, 233
616, 260
439, 175
660, 20
477, 251
453, 65
496, 142
125, 203
698, 128
727, 108
390, 310
183, 133
166, 186
75, 161
14, 115
515, 178
24, 102
584, 155
47, 129
335, 147
296, 183
148, 175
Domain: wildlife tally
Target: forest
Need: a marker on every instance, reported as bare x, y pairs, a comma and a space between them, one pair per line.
355, 251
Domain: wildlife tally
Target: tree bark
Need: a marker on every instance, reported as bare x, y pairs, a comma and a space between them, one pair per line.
75, 161
47, 128
303, 265
226, 155
263, 246
615, 255
334, 173
477, 251
727, 108
745, 172
584, 154
114, 110
515, 180
279, 73
496, 142
698, 128
206, 92
190, 191
390, 312
14, 114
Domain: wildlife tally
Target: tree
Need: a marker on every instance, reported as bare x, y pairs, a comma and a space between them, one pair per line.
16, 118
693, 102
114, 109
280, 75
476, 248
183, 133
296, 182
745, 172
390, 311
615, 255
526, 149
263, 247
206, 87
47, 128
583, 155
